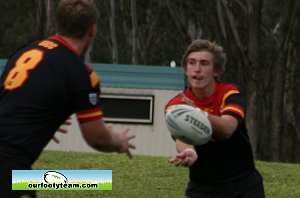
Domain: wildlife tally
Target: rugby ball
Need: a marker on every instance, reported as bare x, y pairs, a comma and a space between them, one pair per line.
188, 124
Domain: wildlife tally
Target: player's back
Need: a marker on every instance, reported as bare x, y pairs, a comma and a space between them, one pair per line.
34, 97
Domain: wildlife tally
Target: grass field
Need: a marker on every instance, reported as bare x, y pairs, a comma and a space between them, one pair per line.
145, 176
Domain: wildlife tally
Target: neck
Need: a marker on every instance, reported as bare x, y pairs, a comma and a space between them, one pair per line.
77, 44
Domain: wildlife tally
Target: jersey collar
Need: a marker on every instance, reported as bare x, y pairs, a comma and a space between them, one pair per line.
189, 93
64, 42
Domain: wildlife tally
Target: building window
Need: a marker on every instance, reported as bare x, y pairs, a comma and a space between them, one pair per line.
136, 109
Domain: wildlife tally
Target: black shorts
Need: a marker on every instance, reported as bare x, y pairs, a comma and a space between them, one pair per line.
7, 165
248, 187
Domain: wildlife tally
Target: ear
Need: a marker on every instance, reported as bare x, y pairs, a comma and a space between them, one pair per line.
216, 72
92, 31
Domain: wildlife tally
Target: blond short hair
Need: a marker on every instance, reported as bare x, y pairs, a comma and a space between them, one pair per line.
205, 45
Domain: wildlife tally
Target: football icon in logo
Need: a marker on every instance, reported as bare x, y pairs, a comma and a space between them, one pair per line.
55, 177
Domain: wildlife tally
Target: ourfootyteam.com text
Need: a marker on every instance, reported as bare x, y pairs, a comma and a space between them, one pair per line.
57, 186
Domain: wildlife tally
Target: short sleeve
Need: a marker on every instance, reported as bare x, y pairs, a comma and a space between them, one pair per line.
84, 89
234, 104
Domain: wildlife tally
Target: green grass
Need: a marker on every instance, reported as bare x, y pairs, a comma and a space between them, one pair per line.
145, 176
281, 180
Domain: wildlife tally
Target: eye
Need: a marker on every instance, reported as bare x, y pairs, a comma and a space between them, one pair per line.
205, 62
191, 61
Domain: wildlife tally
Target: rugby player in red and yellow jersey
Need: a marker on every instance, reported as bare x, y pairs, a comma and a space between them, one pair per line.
224, 167
42, 85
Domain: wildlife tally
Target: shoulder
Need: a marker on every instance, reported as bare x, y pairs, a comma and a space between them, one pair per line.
226, 89
226, 86
233, 100
93, 76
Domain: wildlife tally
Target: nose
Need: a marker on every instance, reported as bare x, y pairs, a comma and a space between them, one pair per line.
198, 67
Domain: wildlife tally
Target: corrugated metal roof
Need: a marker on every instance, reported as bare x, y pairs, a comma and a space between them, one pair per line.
136, 76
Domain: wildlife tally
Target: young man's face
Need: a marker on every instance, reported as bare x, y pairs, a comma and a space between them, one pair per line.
200, 70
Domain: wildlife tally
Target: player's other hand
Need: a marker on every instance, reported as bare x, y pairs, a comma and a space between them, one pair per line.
62, 129
184, 158
123, 139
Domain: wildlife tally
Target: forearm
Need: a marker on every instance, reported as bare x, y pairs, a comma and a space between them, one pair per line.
98, 136
103, 138
223, 127
107, 143
181, 146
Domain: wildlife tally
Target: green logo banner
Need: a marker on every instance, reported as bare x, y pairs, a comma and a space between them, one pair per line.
61, 179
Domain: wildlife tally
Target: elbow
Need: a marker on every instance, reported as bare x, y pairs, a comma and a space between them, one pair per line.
219, 135
227, 133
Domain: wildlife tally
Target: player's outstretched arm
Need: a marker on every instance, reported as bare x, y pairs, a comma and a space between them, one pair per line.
103, 138
186, 154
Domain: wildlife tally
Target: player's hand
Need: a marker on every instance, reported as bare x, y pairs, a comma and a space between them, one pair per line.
185, 158
190, 102
123, 139
186, 100
62, 129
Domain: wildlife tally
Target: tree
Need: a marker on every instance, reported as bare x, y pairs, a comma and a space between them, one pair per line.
134, 32
44, 18
112, 25
286, 24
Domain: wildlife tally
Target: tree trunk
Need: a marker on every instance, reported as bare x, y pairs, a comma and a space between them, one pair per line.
49, 17
44, 18
279, 81
113, 36
179, 23
39, 18
134, 56
254, 20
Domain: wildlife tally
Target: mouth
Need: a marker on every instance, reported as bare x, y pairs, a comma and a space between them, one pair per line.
195, 77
